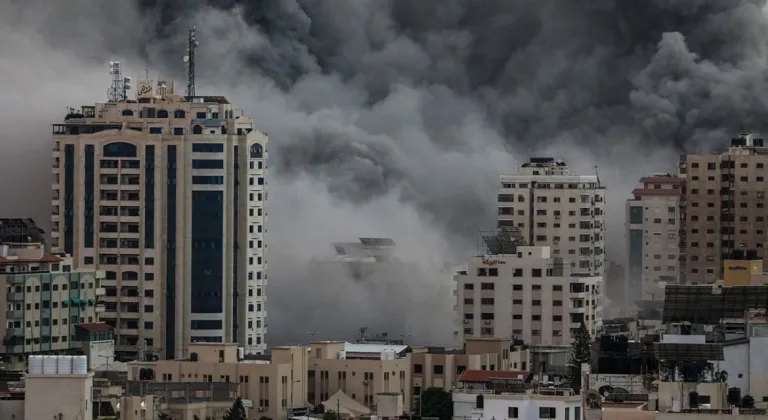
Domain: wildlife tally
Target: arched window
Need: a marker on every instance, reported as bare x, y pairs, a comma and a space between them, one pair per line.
198, 129
127, 113
179, 113
257, 151
119, 149
162, 114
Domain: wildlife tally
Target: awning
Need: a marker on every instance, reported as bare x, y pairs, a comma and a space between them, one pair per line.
91, 302
75, 301
65, 302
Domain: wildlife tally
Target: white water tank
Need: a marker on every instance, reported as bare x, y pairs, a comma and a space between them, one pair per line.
80, 365
240, 353
50, 365
676, 406
35, 365
65, 365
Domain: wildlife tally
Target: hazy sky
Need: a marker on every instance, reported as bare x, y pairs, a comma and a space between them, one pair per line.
395, 117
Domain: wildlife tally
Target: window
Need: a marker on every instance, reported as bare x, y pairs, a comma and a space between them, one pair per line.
437, 369
179, 114
547, 413
418, 368
512, 412
178, 131
155, 130
208, 147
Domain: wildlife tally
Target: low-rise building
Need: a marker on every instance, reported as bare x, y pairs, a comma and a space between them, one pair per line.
271, 388
436, 367
361, 371
44, 299
511, 395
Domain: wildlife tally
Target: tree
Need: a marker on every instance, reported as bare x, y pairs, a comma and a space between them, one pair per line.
237, 412
582, 353
435, 402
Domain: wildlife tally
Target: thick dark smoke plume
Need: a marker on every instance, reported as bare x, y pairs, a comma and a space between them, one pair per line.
395, 118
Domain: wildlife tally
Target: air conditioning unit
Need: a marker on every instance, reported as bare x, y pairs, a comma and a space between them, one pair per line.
487, 322
466, 321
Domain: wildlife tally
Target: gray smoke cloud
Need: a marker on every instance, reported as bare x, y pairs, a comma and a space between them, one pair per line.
395, 118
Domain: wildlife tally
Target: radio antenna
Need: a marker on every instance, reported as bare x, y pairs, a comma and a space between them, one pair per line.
192, 45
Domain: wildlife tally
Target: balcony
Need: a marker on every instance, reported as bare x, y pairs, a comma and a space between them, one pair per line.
13, 314
100, 291
15, 296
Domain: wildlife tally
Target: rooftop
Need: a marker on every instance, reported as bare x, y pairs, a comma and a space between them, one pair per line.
373, 348
20, 231
490, 375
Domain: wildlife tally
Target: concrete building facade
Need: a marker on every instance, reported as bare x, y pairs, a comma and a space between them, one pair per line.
652, 235
551, 206
167, 195
271, 388
723, 208
529, 295
43, 299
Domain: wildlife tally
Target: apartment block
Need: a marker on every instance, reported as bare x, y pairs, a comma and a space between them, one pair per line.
551, 206
271, 387
361, 371
652, 234
167, 195
44, 299
526, 293
436, 367
724, 208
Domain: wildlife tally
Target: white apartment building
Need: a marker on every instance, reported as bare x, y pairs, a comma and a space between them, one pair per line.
554, 207
652, 226
167, 195
529, 295
501, 395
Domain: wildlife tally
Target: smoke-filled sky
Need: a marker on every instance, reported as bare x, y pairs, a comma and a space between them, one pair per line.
395, 117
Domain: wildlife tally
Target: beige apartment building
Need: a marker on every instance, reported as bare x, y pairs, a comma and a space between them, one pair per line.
166, 194
526, 294
361, 371
270, 388
440, 368
652, 234
551, 206
724, 208
43, 299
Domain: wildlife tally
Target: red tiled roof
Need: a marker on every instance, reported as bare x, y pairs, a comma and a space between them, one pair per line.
662, 180
653, 191
488, 375
95, 327
45, 258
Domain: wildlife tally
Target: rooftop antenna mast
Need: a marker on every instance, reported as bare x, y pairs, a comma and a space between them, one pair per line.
192, 45
118, 92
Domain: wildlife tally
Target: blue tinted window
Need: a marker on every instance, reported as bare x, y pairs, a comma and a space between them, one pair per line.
207, 251
208, 147
207, 164
207, 180
178, 131
155, 130
119, 149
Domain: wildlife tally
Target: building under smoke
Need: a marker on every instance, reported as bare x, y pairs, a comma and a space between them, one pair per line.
166, 193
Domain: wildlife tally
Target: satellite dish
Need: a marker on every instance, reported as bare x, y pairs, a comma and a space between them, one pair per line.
111, 63
186, 58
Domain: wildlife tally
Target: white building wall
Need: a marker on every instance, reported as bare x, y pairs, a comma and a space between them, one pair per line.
501, 406
527, 296
553, 207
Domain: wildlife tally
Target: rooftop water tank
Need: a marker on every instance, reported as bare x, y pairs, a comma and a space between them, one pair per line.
50, 365
65, 365
240, 353
80, 365
35, 365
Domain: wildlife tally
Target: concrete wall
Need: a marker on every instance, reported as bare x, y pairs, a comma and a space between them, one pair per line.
12, 410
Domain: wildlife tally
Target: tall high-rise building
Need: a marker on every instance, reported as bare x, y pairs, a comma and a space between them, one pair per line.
551, 206
723, 208
652, 226
167, 195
